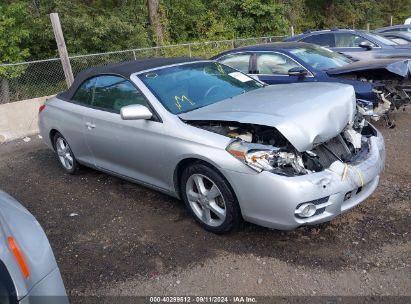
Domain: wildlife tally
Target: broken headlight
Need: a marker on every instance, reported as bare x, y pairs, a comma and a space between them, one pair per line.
267, 158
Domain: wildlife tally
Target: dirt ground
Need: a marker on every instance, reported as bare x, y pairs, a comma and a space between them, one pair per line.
123, 239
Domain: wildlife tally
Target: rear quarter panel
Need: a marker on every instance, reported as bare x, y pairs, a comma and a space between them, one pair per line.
66, 118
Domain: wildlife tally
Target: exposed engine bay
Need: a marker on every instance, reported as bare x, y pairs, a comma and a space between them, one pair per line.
266, 149
389, 88
391, 82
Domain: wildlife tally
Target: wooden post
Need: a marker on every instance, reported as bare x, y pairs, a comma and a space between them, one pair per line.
391, 21
368, 27
61, 44
4, 90
189, 50
292, 30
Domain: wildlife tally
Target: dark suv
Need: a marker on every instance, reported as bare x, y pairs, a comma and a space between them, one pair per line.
355, 44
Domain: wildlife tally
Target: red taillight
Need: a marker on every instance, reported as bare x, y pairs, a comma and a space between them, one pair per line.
18, 255
42, 107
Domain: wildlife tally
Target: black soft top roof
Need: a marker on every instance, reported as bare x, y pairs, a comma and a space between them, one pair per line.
124, 69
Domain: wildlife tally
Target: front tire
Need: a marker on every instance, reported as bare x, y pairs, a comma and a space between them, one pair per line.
210, 199
65, 155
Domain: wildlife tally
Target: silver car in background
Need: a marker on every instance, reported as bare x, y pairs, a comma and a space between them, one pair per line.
231, 147
28, 269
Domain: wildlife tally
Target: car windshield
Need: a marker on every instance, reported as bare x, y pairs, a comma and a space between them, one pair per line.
320, 58
381, 39
187, 87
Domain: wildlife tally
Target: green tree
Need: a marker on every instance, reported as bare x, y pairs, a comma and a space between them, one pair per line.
294, 11
98, 26
104, 25
321, 14
184, 19
12, 34
247, 18
215, 19
399, 9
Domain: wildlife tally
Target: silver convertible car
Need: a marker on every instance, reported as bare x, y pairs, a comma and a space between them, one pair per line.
230, 146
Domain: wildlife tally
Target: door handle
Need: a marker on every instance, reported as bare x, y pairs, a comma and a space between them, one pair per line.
90, 126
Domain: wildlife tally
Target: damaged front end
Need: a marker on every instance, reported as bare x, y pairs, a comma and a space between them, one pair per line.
264, 148
391, 81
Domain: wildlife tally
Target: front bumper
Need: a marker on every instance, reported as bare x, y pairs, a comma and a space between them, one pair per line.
270, 200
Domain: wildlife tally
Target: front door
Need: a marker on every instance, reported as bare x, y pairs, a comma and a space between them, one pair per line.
349, 44
273, 67
131, 148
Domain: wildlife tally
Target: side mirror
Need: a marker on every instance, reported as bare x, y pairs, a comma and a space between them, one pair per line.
135, 112
365, 45
297, 71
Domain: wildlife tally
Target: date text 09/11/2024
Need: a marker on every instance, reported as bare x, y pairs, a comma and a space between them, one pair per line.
203, 299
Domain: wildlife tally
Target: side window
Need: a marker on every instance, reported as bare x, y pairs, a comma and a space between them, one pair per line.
349, 40
398, 40
326, 40
114, 92
274, 64
84, 92
237, 61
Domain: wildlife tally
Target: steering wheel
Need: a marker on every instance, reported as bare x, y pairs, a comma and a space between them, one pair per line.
212, 88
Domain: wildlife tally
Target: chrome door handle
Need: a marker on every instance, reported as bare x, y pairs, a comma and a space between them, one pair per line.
90, 126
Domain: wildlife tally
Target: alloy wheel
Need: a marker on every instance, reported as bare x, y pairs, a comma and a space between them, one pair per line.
206, 200
64, 153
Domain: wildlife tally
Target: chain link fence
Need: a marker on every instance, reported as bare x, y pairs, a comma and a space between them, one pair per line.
39, 78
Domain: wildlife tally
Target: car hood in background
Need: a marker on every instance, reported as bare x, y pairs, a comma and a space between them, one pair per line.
395, 66
305, 114
402, 47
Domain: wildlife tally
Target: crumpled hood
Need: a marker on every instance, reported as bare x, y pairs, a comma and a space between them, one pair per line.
304, 113
395, 66
402, 68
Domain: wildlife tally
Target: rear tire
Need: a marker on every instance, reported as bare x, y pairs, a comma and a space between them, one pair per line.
210, 199
65, 155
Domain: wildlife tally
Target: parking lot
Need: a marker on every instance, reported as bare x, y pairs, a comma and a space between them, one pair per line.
114, 237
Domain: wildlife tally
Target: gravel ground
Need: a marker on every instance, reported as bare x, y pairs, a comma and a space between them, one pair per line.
124, 239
